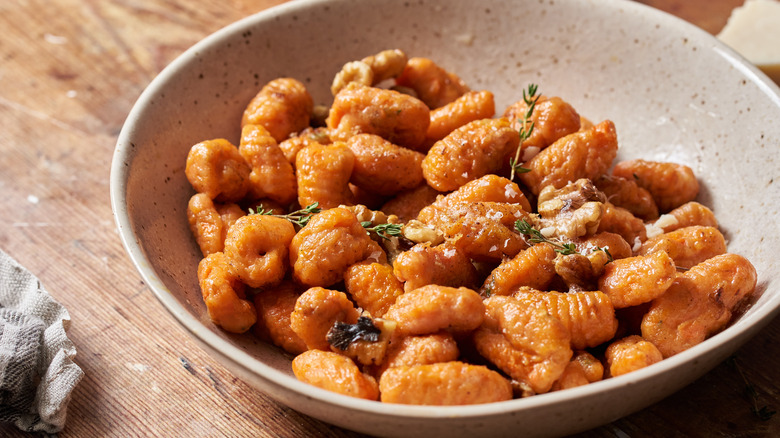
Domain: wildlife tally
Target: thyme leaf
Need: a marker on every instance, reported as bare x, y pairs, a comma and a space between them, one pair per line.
299, 217
535, 236
530, 97
606, 250
532, 89
518, 167
383, 230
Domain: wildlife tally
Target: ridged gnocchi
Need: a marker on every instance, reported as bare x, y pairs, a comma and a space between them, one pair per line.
413, 246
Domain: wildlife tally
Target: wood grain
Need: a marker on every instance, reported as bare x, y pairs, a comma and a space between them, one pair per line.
70, 72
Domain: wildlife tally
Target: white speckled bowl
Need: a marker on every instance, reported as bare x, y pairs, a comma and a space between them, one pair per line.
674, 92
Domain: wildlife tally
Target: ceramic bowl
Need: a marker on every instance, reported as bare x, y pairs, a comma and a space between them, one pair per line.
674, 92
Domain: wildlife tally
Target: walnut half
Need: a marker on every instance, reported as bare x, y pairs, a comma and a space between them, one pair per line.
572, 211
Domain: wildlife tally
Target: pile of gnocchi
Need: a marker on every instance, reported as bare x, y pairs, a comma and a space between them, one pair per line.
410, 245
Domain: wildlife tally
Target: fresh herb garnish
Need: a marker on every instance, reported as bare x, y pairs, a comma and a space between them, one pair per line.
530, 98
299, 217
517, 167
383, 230
535, 236
606, 250
341, 335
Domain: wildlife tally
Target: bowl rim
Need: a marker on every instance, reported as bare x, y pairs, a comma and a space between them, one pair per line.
738, 332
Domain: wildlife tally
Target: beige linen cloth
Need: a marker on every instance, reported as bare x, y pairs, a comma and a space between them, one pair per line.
37, 372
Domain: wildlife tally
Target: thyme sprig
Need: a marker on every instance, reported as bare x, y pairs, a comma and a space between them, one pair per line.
535, 236
383, 230
530, 97
606, 251
299, 217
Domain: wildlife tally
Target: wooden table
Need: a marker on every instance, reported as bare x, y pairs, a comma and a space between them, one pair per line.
69, 72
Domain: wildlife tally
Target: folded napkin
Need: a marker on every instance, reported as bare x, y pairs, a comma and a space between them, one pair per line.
37, 372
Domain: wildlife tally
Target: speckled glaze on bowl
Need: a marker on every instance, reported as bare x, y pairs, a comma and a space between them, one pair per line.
674, 92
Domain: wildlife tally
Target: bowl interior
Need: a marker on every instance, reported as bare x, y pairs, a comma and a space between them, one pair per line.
674, 92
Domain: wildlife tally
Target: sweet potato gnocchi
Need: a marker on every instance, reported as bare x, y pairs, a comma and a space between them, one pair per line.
417, 247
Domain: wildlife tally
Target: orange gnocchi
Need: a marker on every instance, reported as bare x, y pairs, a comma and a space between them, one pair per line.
412, 246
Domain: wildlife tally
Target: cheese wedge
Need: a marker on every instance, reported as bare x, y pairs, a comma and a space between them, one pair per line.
753, 30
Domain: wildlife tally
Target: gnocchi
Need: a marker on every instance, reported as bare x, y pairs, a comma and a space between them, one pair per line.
414, 245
